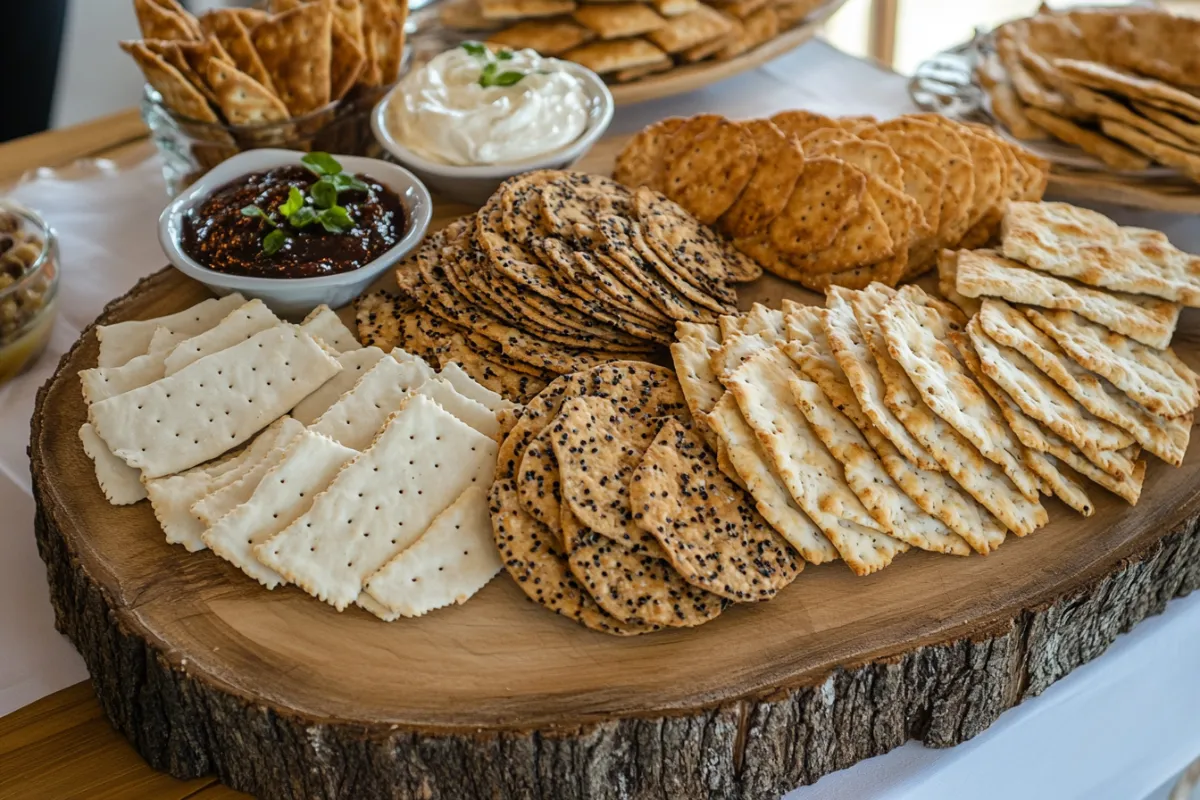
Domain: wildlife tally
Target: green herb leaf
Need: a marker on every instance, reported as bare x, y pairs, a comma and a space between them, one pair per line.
302, 217
505, 55
335, 220
274, 242
347, 182
258, 213
294, 203
503, 79
474, 48
324, 192
321, 163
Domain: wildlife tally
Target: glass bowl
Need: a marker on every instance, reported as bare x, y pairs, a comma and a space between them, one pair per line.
28, 287
190, 148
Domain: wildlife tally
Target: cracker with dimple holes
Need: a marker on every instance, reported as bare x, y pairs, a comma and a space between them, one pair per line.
1165, 437
285, 492
242, 99
850, 348
918, 507
472, 412
813, 477
864, 239
607, 57
101, 383
547, 37
1079, 243
121, 484
178, 93
296, 50
1042, 399
762, 480
1149, 320
227, 26
214, 404
539, 483
597, 449
911, 333
873, 158
1157, 379
618, 20
238, 326
702, 24
979, 477
454, 558
711, 172
693, 367
164, 19
631, 585
172, 497
123, 341
642, 162
360, 413
216, 504
381, 502
355, 364
947, 271
324, 323
800, 123
827, 196
780, 163
710, 531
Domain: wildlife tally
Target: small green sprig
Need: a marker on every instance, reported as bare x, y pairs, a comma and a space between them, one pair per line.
324, 210
491, 75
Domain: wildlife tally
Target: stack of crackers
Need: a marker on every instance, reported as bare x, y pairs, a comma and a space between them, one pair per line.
558, 272
625, 41
608, 508
837, 202
299, 456
248, 67
1117, 83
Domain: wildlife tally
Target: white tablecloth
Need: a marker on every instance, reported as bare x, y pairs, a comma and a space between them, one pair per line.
1116, 728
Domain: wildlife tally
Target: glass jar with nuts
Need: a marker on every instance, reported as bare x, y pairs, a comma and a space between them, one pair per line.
28, 287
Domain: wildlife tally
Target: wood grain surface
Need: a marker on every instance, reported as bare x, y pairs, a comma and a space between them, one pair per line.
467, 700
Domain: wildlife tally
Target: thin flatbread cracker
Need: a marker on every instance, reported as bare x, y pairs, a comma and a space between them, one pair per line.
361, 412
285, 492
454, 558
467, 386
122, 341
214, 506
238, 326
327, 326
121, 484
472, 412
355, 364
101, 383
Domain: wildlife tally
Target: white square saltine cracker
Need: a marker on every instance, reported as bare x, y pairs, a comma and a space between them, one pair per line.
238, 326
381, 502
214, 404
359, 414
126, 340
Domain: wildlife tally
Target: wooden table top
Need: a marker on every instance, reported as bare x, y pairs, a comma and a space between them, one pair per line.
62, 746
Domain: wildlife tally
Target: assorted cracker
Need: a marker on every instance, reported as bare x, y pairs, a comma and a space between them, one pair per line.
830, 204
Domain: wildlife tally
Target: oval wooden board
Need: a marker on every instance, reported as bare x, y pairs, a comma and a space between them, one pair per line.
768, 696
695, 76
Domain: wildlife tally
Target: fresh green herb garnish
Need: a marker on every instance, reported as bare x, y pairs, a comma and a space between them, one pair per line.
324, 210
505, 55
491, 76
475, 48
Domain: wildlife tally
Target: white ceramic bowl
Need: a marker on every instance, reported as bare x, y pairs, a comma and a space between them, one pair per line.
474, 185
296, 296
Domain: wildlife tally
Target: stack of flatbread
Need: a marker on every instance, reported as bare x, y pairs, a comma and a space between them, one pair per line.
837, 202
1117, 83
890, 420
609, 508
558, 272
297, 455
625, 41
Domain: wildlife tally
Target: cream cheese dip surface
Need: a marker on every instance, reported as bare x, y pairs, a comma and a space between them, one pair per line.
472, 107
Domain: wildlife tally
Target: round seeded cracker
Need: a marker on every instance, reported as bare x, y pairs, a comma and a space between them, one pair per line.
641, 162
697, 251
780, 162
707, 176
826, 197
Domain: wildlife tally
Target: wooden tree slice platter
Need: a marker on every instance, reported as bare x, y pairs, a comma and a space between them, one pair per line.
695, 76
281, 696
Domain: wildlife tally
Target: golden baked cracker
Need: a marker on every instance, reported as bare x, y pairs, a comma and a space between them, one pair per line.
758, 27
165, 19
465, 15
228, 26
742, 9
619, 20
780, 162
947, 266
960, 171
708, 175
1102, 147
1184, 160
1177, 124
547, 37
608, 57
1029, 88
1107, 79
1106, 108
641, 162
695, 251
347, 61
874, 158
523, 9
703, 24
539, 485
172, 53
673, 8
800, 123
296, 50
828, 195
243, 100
864, 239
705, 522
1012, 113
704, 50
178, 94
637, 73
792, 12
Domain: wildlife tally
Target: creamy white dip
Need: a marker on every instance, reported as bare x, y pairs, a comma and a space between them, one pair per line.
457, 110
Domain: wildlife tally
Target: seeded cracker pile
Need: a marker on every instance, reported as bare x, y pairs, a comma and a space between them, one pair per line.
1116, 83
836, 202
608, 508
625, 41
558, 272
